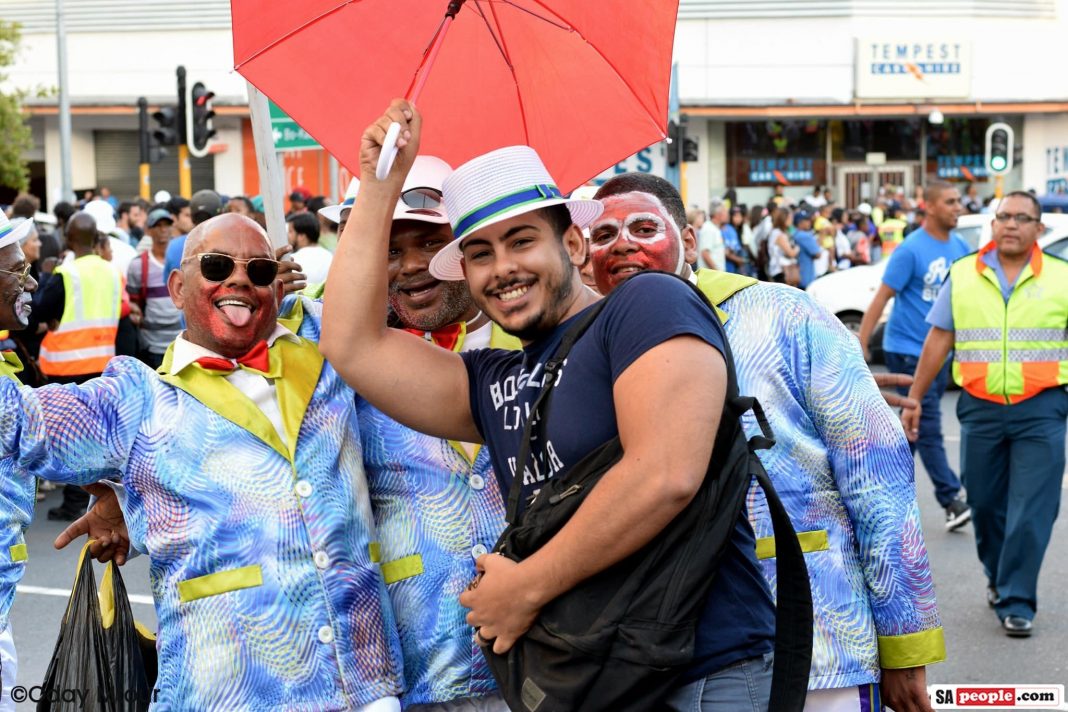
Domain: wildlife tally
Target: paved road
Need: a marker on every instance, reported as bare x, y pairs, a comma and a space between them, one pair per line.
978, 651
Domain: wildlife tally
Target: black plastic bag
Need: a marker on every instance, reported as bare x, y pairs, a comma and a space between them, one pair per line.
100, 661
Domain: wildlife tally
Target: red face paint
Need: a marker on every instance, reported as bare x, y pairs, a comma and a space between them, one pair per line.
634, 233
229, 317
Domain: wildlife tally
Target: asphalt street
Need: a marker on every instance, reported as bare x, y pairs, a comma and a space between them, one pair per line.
978, 652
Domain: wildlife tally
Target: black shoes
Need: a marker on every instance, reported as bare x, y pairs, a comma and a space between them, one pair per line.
992, 597
958, 513
1016, 627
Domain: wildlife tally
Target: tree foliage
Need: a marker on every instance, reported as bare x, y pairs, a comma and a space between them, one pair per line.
15, 135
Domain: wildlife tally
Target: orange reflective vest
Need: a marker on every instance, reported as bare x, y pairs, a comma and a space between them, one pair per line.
1009, 352
85, 340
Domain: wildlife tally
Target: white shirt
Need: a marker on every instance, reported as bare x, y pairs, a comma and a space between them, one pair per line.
122, 254
259, 389
314, 262
710, 238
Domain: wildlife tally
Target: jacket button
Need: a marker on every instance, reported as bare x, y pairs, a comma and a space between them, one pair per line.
477, 482
304, 488
322, 560
326, 634
478, 550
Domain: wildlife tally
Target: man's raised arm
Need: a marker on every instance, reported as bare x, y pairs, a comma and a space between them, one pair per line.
421, 385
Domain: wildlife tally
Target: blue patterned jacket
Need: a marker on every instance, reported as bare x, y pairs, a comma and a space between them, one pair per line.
844, 471
436, 509
17, 501
262, 555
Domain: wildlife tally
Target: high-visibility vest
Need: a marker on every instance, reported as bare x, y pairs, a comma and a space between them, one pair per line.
85, 340
1007, 353
892, 233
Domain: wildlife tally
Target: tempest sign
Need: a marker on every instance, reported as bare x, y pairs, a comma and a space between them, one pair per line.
912, 68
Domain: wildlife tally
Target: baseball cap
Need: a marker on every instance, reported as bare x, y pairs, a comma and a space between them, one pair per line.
158, 214
801, 215
205, 201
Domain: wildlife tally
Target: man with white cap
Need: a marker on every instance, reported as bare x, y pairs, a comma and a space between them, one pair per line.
658, 383
17, 492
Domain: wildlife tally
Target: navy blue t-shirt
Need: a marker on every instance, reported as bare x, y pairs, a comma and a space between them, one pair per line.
738, 621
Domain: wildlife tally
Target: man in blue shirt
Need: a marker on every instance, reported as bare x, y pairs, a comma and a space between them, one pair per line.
914, 274
810, 247
520, 246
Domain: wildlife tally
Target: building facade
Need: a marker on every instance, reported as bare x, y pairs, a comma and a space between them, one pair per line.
793, 92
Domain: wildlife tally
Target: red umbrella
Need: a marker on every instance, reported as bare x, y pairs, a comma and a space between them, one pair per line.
585, 82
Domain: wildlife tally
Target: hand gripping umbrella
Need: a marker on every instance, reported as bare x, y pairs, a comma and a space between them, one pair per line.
584, 82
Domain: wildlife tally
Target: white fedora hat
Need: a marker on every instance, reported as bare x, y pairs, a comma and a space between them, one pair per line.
420, 196
12, 234
494, 187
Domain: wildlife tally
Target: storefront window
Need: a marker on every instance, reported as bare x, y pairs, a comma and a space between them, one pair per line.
955, 150
776, 152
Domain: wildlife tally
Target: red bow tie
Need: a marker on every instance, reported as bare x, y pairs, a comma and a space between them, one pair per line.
257, 359
446, 337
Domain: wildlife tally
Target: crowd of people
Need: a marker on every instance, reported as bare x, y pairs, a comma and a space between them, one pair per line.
796, 242
316, 453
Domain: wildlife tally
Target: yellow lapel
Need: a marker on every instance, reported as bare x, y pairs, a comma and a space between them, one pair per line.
219, 395
303, 364
10, 365
721, 286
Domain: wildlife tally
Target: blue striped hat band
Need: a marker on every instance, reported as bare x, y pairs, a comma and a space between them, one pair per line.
533, 194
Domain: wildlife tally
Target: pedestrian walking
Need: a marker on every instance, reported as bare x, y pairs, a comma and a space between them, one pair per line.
1002, 313
913, 276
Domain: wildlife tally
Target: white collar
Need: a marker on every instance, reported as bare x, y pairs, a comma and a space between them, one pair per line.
186, 352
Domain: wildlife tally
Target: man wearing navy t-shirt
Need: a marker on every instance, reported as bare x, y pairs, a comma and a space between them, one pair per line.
650, 369
914, 275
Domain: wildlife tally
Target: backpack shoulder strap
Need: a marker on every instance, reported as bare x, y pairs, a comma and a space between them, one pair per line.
549, 378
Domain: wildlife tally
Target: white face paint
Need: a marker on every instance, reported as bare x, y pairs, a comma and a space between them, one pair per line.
638, 217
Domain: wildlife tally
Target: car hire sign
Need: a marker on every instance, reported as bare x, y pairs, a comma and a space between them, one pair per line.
911, 68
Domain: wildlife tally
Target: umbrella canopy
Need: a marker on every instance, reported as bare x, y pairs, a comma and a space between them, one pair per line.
584, 82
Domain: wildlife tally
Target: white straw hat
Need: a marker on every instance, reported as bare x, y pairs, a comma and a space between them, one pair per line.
494, 187
12, 234
103, 213
428, 172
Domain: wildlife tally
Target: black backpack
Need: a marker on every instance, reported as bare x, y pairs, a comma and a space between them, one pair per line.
622, 639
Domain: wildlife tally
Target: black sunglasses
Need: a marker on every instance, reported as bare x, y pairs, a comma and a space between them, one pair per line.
422, 198
217, 267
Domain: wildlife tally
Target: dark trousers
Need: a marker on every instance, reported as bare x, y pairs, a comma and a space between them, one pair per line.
932, 449
1012, 459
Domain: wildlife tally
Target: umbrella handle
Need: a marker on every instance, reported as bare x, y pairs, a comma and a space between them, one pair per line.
389, 151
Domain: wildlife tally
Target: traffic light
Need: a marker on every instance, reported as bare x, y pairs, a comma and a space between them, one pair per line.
689, 149
999, 148
167, 131
674, 143
200, 129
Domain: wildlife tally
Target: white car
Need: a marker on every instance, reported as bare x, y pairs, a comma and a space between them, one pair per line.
848, 293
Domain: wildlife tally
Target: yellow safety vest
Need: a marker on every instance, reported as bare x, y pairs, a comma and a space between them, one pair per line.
85, 340
1007, 353
892, 233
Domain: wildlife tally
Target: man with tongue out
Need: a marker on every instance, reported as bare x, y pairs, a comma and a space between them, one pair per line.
244, 484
